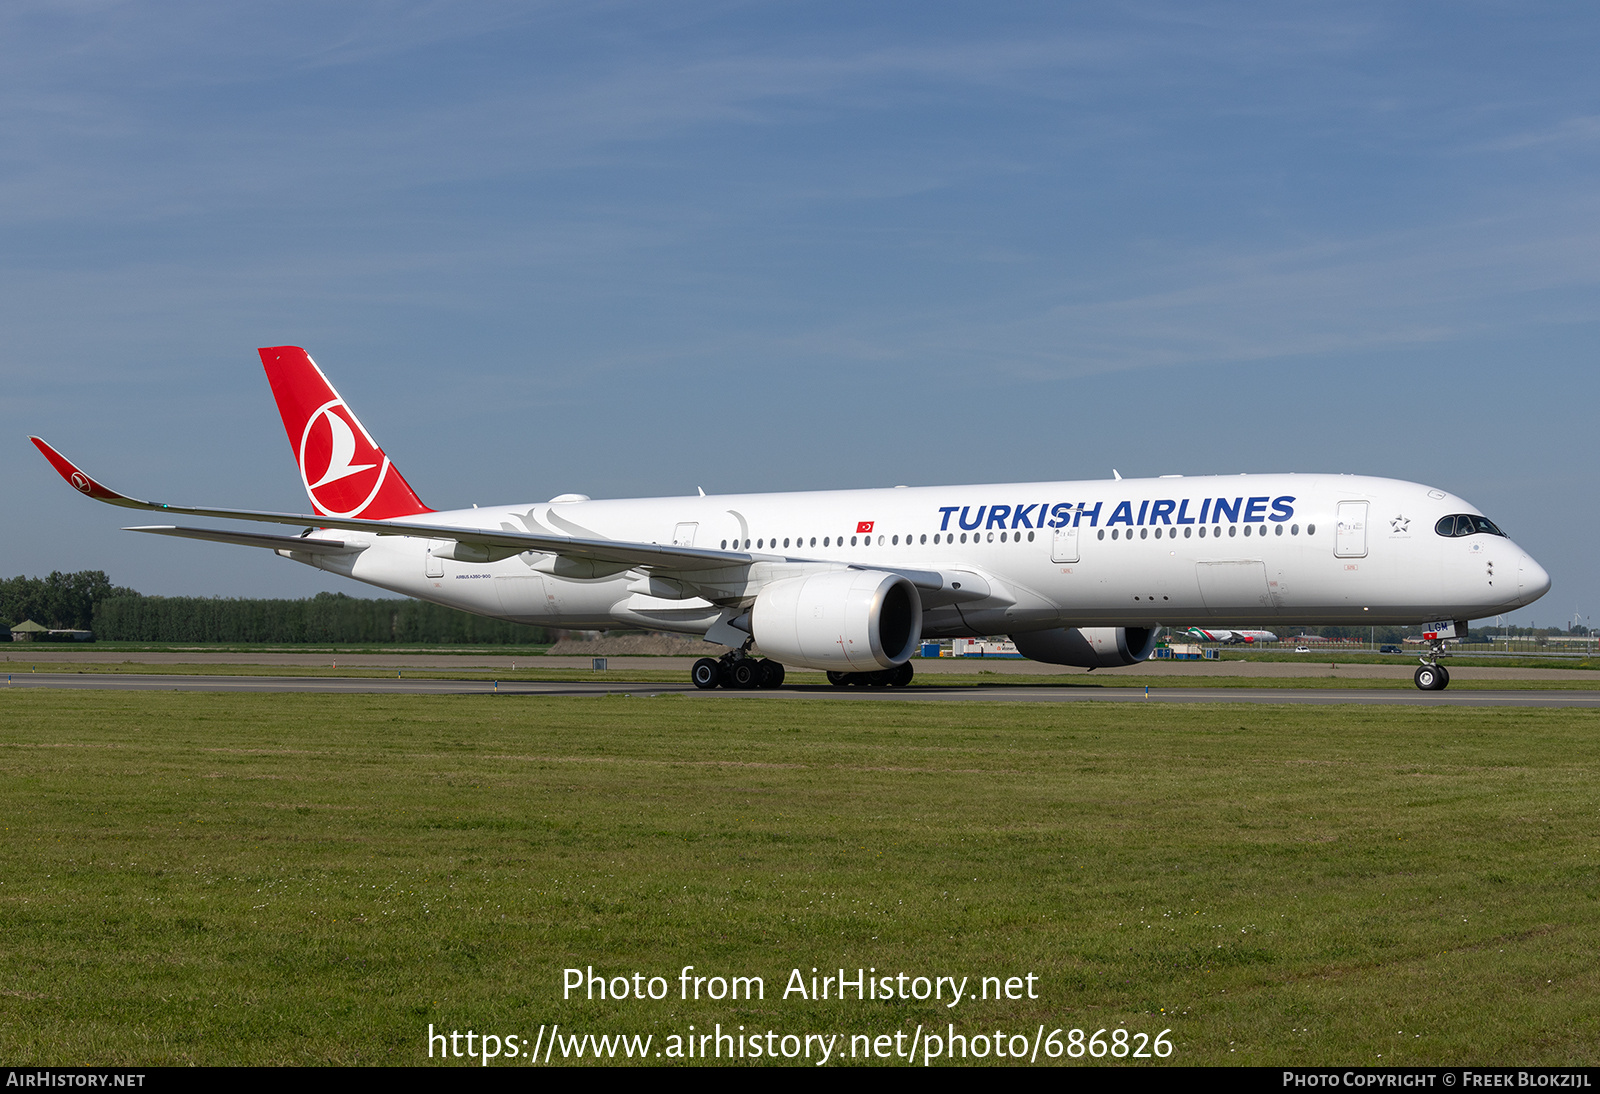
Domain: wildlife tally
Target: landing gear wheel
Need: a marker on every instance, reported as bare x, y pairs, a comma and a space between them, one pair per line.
880, 679
901, 675
706, 673
1432, 678
839, 679
1444, 677
771, 674
744, 674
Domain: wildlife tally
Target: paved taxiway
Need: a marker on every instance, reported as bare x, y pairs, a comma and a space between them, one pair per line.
1005, 693
1400, 668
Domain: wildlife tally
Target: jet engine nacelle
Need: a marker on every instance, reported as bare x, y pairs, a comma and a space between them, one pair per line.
839, 620
1088, 647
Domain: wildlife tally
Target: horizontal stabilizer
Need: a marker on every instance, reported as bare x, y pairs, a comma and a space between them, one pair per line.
304, 544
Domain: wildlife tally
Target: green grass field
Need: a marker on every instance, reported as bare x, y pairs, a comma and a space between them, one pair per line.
227, 879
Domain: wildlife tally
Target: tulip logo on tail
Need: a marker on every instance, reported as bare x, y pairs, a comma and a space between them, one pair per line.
342, 468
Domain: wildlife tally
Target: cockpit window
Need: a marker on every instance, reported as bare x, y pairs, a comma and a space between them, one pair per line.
1466, 524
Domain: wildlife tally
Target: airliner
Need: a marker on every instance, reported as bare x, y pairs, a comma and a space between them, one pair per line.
848, 582
1226, 637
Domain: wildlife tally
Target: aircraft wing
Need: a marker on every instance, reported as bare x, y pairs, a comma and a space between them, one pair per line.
492, 543
485, 544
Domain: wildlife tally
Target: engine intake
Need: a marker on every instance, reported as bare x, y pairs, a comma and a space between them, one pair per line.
1088, 647
843, 620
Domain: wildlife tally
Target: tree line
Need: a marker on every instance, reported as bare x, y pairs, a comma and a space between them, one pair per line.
88, 601
58, 601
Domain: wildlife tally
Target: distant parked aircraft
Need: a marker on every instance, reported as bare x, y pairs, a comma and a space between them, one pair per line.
1229, 637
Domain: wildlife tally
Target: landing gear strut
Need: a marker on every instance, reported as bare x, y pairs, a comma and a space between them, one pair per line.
736, 669
1433, 676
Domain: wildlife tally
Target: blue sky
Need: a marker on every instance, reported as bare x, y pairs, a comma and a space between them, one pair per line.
632, 249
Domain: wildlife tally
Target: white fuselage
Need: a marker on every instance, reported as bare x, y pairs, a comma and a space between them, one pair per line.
1234, 550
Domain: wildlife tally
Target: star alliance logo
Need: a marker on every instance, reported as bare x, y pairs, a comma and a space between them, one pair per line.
1399, 524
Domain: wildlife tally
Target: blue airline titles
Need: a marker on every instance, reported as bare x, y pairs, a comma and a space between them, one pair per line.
1163, 511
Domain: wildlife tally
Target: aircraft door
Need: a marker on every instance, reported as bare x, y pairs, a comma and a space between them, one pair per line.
683, 535
1350, 536
433, 566
1064, 547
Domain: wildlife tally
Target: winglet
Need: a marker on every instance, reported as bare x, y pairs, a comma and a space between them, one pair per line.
80, 481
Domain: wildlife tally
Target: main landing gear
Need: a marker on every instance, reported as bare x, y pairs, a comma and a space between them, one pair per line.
897, 677
736, 670
1433, 676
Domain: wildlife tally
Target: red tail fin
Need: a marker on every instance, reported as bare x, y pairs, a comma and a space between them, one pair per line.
345, 473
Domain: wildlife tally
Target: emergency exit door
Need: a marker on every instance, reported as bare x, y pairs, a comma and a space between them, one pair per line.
1064, 547
1350, 533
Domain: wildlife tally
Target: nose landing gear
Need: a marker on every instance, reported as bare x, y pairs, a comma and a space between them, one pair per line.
1433, 676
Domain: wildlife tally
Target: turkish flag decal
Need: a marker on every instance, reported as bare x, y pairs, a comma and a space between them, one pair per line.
863, 526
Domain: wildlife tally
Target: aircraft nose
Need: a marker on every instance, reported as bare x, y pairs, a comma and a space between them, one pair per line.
1532, 580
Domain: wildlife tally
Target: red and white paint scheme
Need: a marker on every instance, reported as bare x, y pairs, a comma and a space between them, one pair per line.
344, 471
1082, 573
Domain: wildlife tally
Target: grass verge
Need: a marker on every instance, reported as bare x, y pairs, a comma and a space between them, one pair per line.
243, 879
